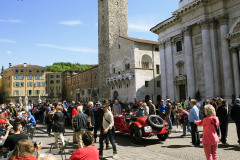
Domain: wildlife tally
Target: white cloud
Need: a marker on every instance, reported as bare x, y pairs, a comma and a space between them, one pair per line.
141, 23
7, 41
11, 21
73, 49
8, 52
138, 28
71, 22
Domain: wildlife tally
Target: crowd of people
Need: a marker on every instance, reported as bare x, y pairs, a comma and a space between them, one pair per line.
89, 118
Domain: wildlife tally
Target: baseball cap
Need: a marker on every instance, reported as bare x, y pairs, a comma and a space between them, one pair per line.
3, 121
193, 100
140, 103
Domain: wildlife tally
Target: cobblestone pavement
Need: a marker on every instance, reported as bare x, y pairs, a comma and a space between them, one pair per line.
175, 147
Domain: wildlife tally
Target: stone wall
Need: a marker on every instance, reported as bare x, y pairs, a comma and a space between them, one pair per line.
112, 23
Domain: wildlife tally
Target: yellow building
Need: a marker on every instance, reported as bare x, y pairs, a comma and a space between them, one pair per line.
24, 80
54, 86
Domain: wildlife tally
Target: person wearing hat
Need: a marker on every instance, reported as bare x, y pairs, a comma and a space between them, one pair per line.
194, 116
4, 131
140, 111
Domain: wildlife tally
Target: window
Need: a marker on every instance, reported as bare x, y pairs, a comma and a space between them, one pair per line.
16, 93
79, 81
89, 91
42, 84
114, 71
16, 71
58, 88
22, 77
8, 85
37, 92
29, 77
42, 92
95, 76
146, 83
145, 65
8, 78
127, 66
42, 77
29, 92
156, 49
57, 76
82, 92
16, 77
51, 76
16, 84
179, 46
37, 84
158, 84
57, 81
51, 88
86, 79
42, 71
29, 84
51, 82
21, 84
146, 62
21, 92
30, 71
37, 77
37, 70
158, 69
21, 70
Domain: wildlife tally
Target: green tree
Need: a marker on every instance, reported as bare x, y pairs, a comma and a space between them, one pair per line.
63, 66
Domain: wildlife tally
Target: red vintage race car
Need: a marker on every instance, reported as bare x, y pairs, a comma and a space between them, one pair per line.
139, 127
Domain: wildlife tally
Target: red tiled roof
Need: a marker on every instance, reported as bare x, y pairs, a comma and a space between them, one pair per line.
28, 66
141, 40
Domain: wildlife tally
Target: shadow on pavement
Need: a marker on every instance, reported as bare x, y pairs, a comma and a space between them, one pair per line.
124, 140
176, 146
229, 147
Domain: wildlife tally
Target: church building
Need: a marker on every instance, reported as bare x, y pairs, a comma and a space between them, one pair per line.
199, 50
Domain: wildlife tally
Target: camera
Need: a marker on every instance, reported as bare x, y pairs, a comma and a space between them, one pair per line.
36, 143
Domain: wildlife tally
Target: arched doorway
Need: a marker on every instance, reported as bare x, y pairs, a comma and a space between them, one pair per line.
115, 95
147, 98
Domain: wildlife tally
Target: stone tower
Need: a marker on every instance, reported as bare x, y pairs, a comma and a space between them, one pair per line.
112, 23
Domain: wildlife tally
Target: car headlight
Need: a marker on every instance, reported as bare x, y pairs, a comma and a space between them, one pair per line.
148, 129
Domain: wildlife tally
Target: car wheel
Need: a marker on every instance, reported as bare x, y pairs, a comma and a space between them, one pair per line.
155, 122
162, 137
136, 134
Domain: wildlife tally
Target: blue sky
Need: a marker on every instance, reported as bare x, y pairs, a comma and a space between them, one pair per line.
42, 32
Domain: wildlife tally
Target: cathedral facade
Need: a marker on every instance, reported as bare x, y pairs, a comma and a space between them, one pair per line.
199, 50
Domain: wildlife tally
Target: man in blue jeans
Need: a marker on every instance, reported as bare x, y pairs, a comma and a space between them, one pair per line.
106, 131
194, 116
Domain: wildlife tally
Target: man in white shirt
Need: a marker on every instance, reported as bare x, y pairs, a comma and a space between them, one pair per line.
106, 131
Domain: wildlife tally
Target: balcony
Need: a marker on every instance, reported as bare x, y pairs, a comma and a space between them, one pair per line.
119, 78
